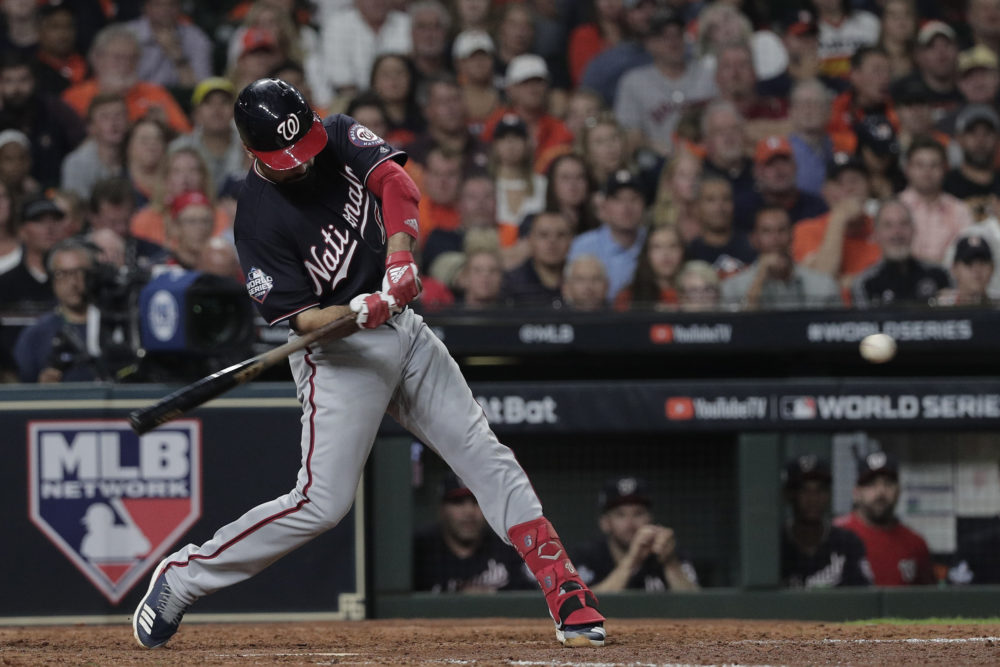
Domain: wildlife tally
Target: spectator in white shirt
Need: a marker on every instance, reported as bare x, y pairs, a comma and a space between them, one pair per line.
352, 39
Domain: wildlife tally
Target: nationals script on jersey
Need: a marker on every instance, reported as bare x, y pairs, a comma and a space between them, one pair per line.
318, 240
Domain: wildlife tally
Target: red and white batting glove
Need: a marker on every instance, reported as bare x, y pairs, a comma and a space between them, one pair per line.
401, 281
373, 309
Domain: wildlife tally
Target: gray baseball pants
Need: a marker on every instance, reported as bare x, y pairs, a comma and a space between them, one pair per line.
345, 387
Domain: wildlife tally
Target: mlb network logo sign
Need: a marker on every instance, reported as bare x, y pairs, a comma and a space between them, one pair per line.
111, 501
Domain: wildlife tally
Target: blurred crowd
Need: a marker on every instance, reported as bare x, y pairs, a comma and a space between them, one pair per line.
686, 155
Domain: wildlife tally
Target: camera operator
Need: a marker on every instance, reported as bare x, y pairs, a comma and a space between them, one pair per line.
60, 346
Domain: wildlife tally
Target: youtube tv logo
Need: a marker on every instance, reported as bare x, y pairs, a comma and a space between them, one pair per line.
679, 408
661, 333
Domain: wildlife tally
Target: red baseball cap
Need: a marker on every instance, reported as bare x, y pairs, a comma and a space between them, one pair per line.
257, 38
771, 147
189, 198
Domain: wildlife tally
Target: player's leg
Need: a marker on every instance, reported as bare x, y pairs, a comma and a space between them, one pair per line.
344, 388
435, 403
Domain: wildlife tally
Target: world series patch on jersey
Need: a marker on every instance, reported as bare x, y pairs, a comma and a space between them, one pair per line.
111, 501
318, 240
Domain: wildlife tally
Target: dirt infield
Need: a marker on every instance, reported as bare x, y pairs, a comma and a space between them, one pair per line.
510, 642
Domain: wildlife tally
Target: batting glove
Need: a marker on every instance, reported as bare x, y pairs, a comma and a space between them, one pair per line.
373, 309
401, 281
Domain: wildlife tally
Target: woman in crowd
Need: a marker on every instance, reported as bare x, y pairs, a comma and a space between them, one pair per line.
698, 287
145, 150
676, 194
899, 35
481, 278
183, 170
654, 283
519, 190
589, 39
603, 146
394, 80
569, 190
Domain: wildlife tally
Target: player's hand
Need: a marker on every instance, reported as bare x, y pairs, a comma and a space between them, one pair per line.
664, 544
373, 309
641, 545
401, 281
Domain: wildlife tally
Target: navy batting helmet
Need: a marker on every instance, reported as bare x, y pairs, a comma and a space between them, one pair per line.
277, 125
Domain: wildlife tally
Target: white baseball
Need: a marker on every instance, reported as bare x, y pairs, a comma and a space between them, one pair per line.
878, 348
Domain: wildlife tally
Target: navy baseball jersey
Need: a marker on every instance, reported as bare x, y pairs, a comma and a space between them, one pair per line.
318, 240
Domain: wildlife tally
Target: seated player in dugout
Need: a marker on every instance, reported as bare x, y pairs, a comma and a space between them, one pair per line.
326, 225
459, 553
815, 554
898, 555
634, 553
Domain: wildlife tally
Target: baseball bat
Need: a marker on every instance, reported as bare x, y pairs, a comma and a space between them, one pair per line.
174, 405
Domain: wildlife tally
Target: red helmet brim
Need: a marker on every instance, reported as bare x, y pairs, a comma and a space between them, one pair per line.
301, 151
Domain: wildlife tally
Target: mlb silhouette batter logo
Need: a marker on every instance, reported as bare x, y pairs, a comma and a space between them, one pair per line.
112, 501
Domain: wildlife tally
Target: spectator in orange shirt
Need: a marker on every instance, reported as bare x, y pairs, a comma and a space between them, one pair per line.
442, 178
527, 86
189, 229
115, 57
868, 95
477, 209
839, 243
184, 170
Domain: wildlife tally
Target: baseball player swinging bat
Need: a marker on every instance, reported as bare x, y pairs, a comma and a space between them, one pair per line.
203, 390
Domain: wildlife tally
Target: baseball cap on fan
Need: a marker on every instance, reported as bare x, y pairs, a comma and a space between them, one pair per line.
469, 42
277, 125
624, 491
526, 67
933, 29
771, 147
972, 114
973, 248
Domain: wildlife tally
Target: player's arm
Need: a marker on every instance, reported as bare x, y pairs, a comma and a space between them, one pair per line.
400, 197
679, 575
629, 562
314, 318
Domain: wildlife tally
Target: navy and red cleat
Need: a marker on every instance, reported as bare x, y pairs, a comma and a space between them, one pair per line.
159, 613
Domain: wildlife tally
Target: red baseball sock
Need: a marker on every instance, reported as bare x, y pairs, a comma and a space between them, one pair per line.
570, 601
